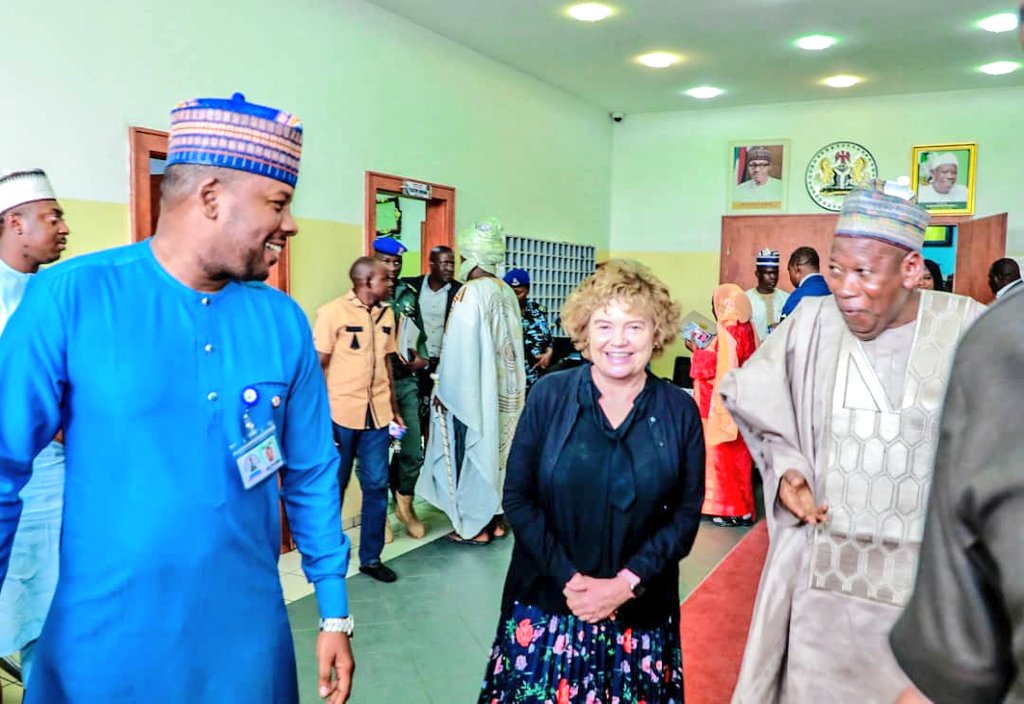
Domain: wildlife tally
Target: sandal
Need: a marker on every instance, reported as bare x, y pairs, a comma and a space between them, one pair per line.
498, 528
454, 537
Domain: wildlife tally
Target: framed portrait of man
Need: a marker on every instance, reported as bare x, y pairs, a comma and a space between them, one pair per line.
943, 177
758, 176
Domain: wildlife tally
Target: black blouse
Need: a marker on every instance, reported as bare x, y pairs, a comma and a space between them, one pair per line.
607, 497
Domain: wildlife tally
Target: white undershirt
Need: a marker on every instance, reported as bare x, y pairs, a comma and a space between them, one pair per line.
12, 288
432, 309
1006, 289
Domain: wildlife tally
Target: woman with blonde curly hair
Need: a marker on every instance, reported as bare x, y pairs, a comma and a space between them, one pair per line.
604, 489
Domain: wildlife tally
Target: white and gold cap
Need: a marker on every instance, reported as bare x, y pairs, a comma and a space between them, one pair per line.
20, 187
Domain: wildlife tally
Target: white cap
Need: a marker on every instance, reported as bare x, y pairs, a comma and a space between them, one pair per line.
20, 187
937, 159
898, 189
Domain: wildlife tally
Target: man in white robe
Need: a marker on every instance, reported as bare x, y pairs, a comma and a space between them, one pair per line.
32, 233
840, 409
942, 186
479, 394
766, 299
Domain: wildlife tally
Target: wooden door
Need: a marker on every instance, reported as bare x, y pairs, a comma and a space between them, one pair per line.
744, 235
978, 243
146, 144
438, 226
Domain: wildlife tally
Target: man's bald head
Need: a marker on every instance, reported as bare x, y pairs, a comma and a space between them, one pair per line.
362, 269
1004, 271
370, 280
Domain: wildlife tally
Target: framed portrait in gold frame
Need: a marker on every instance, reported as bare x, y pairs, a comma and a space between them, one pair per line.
943, 177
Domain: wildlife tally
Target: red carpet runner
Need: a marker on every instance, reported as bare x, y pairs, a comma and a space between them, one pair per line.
714, 620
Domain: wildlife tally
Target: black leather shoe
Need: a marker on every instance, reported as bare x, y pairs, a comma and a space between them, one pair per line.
380, 572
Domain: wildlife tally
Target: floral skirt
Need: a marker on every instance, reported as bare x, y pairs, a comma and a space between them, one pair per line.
541, 658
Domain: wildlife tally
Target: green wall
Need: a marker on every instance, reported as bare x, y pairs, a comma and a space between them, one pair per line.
375, 92
670, 170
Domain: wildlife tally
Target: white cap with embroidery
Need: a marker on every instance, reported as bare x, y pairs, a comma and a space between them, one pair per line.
20, 187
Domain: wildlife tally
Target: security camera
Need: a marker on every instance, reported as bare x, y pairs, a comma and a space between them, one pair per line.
617, 116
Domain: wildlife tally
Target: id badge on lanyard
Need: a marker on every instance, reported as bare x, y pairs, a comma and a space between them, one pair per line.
259, 454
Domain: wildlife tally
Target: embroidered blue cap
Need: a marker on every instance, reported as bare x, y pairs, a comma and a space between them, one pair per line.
389, 245
517, 277
235, 134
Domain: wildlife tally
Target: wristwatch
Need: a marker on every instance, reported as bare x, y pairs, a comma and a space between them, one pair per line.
345, 625
632, 580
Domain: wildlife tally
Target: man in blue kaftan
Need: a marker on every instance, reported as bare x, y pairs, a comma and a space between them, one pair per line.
181, 382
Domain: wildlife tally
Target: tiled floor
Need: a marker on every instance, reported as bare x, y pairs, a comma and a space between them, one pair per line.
425, 638
289, 565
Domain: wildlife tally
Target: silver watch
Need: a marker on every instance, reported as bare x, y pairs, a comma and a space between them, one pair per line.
345, 625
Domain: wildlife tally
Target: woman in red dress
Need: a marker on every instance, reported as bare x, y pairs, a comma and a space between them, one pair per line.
729, 491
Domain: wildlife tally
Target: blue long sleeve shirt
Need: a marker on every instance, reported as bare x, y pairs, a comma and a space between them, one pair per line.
168, 586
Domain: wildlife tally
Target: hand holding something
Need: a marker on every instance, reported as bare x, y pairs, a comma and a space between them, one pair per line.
334, 655
690, 346
798, 497
415, 363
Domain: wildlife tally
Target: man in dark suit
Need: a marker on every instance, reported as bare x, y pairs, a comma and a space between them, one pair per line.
805, 274
438, 286
1004, 278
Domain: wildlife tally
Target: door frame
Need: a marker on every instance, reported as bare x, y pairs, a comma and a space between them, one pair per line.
438, 227
144, 144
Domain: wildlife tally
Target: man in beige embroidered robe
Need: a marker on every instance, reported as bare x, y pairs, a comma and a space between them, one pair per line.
840, 409
479, 394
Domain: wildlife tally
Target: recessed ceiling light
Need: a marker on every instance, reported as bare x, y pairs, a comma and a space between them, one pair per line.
1005, 22
841, 81
998, 68
815, 42
658, 59
704, 92
589, 11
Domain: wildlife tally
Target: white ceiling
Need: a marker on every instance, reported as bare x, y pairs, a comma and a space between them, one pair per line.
742, 46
